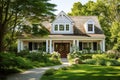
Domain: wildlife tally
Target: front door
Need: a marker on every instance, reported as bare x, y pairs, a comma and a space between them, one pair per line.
62, 48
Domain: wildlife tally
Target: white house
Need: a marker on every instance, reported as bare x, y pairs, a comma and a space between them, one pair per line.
65, 32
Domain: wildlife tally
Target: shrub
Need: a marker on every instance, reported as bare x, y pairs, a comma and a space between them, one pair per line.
102, 59
55, 55
38, 56
113, 54
55, 58
50, 72
77, 61
10, 63
23, 63
90, 61
23, 53
7, 60
64, 68
99, 56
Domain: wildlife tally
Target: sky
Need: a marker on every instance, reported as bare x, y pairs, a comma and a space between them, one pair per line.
66, 5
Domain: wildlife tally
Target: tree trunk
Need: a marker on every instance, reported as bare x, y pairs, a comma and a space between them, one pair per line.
2, 31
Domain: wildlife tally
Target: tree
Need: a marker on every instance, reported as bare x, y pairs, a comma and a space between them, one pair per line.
108, 12
14, 12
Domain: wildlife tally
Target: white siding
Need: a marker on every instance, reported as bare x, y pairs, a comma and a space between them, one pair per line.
63, 19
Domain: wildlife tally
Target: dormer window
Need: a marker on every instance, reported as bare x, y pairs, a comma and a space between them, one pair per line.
61, 27
63, 24
89, 26
56, 28
67, 27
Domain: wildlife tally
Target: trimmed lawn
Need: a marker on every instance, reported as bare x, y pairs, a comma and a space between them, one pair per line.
85, 72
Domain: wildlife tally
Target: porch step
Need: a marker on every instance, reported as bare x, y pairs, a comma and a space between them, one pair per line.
64, 60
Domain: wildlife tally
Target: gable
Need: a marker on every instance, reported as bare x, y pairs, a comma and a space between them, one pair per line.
62, 18
63, 24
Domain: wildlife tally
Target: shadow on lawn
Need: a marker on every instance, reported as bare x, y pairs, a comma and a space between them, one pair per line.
86, 72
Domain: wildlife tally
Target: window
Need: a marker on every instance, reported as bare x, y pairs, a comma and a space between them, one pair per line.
61, 27
67, 27
85, 46
35, 46
90, 27
56, 28
94, 45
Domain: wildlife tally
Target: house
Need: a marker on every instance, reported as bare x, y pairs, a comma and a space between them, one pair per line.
67, 32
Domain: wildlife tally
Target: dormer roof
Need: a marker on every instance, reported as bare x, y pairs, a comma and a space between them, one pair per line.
63, 14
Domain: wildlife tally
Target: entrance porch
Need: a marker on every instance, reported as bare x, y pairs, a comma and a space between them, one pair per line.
62, 46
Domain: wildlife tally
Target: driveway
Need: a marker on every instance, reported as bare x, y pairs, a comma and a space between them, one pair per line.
35, 74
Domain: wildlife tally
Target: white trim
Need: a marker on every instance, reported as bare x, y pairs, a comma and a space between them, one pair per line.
63, 13
50, 46
63, 39
70, 31
46, 45
90, 21
103, 43
22, 48
19, 45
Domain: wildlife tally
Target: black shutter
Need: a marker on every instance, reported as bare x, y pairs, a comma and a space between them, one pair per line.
80, 45
30, 46
94, 45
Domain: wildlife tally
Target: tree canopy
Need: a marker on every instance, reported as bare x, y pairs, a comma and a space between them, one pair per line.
108, 12
15, 12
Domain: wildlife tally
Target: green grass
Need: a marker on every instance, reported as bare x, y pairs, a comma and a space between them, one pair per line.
85, 72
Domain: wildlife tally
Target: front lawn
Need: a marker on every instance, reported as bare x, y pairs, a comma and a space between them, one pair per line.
84, 72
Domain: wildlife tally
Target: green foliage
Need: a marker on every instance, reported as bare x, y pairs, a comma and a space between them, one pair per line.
38, 56
25, 60
55, 58
89, 61
113, 54
23, 63
85, 72
108, 12
23, 53
50, 72
82, 56
10, 63
64, 68
21, 12
102, 59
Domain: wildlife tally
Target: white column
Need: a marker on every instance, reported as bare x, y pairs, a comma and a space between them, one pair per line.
78, 45
73, 42
103, 43
101, 46
22, 45
19, 46
50, 48
46, 45
74, 46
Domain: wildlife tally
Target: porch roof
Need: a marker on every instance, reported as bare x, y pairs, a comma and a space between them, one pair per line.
67, 36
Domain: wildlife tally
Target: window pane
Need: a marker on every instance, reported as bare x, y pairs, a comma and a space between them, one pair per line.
94, 45
56, 28
35, 46
90, 27
85, 46
61, 27
67, 27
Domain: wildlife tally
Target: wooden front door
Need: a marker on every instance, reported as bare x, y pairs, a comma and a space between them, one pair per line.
62, 48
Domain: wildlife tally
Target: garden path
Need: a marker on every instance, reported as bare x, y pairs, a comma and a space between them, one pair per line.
35, 74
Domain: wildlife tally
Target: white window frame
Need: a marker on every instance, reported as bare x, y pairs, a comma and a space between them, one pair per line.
59, 27
86, 26
66, 27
